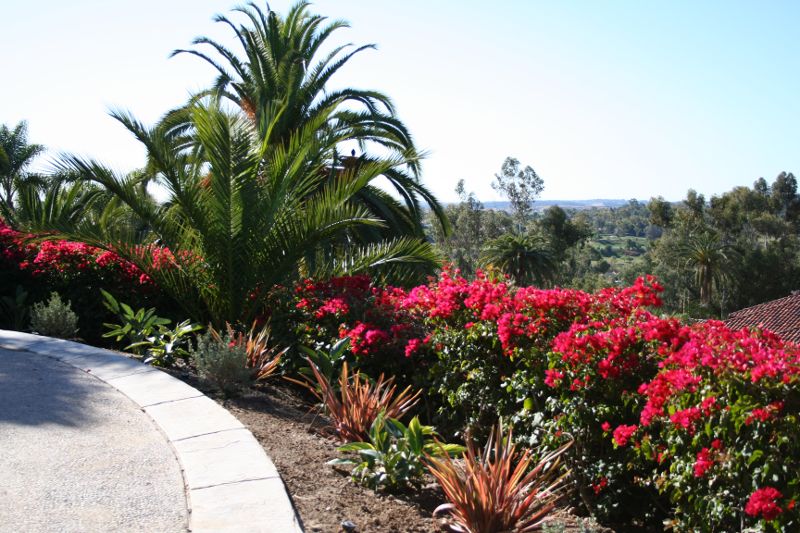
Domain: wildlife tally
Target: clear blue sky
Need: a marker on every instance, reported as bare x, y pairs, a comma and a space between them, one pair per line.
613, 99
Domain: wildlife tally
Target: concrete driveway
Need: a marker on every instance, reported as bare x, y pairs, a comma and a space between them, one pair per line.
79, 456
93, 440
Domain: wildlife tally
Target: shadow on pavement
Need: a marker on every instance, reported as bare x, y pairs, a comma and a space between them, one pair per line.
36, 390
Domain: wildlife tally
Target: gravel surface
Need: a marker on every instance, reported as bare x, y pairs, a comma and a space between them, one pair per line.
77, 455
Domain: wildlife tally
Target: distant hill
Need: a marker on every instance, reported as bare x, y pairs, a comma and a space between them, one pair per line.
540, 205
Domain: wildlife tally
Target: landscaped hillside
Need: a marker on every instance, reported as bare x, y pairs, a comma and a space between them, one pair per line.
503, 369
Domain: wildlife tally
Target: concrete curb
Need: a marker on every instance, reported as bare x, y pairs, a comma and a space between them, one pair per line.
231, 484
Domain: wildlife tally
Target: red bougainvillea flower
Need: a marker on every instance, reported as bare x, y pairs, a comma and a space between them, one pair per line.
686, 418
412, 346
553, 377
703, 463
764, 414
623, 434
600, 485
763, 502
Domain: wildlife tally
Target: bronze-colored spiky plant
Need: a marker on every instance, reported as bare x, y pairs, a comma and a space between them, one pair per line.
358, 401
261, 357
498, 489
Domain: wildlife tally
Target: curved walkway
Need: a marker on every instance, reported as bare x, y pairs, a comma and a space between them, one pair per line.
80, 456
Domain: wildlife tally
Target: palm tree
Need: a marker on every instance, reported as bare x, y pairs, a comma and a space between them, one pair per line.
709, 259
15, 156
242, 215
526, 258
279, 82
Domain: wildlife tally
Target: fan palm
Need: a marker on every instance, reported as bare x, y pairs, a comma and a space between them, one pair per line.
15, 156
279, 82
242, 215
526, 258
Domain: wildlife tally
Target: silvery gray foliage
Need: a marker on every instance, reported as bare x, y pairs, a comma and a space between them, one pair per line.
222, 362
54, 318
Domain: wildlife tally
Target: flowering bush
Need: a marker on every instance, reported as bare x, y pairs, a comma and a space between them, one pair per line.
76, 271
595, 370
314, 313
721, 413
691, 423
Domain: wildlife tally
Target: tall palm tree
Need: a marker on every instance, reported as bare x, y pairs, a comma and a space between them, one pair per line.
242, 214
280, 82
709, 259
16, 154
526, 258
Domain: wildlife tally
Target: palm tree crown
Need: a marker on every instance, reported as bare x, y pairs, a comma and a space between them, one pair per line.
526, 258
279, 82
15, 155
242, 215
709, 259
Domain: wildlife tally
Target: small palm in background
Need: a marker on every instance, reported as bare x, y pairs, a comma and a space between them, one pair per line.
526, 258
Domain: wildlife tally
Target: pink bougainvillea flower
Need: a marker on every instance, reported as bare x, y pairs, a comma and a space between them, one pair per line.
763, 502
623, 434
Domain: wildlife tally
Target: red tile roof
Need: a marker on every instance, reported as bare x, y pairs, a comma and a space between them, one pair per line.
781, 316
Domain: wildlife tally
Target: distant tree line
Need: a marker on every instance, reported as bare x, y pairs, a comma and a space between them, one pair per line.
738, 249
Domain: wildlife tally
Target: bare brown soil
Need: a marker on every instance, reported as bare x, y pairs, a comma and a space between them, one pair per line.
292, 434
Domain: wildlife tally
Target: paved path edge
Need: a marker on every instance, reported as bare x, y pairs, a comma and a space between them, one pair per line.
231, 483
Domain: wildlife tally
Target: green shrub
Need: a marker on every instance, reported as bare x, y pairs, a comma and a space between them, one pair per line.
223, 362
55, 318
147, 334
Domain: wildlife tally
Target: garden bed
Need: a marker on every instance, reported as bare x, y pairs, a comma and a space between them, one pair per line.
292, 435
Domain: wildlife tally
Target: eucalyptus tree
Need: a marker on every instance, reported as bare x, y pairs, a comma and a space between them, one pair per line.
472, 226
521, 186
279, 78
16, 154
242, 214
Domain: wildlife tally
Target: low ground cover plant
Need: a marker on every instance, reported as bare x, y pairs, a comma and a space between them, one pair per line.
393, 456
356, 401
147, 334
233, 359
263, 358
220, 360
328, 363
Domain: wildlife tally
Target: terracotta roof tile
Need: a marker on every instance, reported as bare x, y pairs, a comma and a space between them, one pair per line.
781, 316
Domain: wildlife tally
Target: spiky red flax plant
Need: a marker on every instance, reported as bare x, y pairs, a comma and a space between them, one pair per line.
499, 489
358, 401
261, 357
